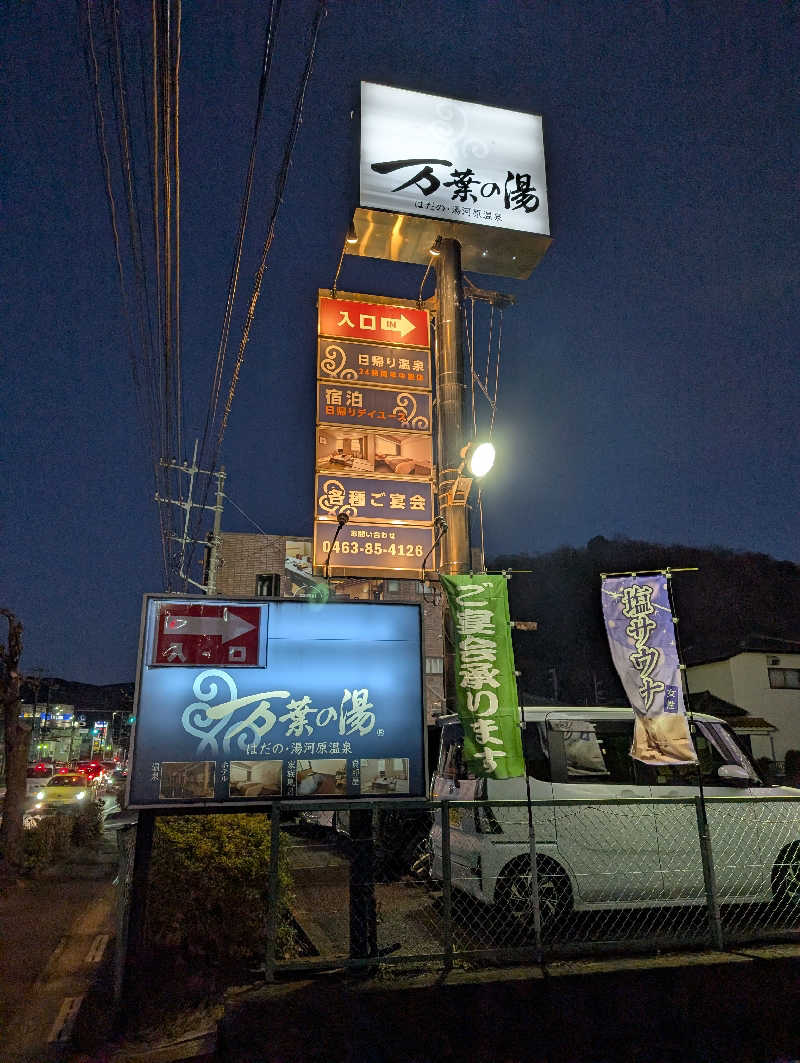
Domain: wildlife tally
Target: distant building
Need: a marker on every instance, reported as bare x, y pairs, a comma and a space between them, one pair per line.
766, 685
279, 566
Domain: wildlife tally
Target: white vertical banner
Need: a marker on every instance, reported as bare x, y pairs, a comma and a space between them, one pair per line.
641, 636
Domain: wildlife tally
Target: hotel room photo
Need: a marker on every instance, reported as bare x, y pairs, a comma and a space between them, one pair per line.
387, 775
321, 778
345, 450
255, 778
185, 778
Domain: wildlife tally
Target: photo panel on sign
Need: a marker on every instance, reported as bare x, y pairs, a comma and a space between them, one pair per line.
381, 453
255, 779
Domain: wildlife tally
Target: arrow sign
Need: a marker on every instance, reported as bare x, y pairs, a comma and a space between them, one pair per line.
192, 634
397, 324
228, 626
379, 322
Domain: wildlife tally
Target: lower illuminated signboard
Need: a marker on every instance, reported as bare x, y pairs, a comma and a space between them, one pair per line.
332, 708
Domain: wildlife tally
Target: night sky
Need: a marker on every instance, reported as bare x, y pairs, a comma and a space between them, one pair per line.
649, 384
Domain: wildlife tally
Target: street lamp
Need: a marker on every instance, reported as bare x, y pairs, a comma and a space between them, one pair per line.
476, 460
480, 458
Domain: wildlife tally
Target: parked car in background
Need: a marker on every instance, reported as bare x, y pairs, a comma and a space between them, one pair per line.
69, 792
630, 839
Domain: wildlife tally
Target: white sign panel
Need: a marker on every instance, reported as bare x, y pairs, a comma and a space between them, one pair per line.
459, 162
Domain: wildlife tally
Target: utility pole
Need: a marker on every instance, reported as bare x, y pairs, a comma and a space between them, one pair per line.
212, 545
455, 546
216, 538
452, 288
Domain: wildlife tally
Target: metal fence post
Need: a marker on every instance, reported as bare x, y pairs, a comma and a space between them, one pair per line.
447, 893
537, 911
709, 878
272, 893
363, 913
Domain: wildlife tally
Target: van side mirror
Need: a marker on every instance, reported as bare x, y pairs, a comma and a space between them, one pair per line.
734, 772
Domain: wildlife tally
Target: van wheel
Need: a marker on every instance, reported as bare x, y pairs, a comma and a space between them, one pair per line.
515, 902
786, 877
417, 858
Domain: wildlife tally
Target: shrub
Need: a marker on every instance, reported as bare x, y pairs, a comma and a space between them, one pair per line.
209, 886
792, 761
87, 825
48, 841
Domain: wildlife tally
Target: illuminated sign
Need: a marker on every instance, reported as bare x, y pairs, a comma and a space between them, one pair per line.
374, 407
372, 363
371, 549
456, 161
332, 708
357, 319
374, 447
368, 498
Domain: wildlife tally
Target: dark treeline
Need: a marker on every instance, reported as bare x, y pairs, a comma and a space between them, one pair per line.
735, 600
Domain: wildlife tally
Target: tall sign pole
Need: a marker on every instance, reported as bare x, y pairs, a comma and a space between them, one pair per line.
455, 547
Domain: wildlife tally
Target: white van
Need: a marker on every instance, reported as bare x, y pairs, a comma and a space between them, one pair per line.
627, 855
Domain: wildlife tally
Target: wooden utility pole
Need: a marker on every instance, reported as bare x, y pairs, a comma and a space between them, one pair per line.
17, 740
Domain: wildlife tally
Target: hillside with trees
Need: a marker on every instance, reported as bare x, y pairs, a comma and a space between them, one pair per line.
735, 600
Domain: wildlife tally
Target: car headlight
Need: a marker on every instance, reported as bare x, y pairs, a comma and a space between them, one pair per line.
40, 796
80, 796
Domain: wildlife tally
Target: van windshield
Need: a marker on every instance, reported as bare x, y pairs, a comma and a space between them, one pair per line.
715, 747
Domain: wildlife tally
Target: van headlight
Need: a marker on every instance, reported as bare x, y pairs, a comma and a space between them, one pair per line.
40, 796
80, 796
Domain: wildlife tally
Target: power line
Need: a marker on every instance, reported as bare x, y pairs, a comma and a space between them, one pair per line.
246, 517
146, 408
280, 186
266, 66
278, 200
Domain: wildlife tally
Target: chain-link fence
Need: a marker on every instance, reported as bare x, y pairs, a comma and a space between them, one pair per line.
452, 882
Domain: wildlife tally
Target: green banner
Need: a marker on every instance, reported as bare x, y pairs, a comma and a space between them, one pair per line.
486, 685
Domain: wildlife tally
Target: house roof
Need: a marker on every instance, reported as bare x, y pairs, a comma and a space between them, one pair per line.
747, 725
752, 644
738, 718
709, 703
